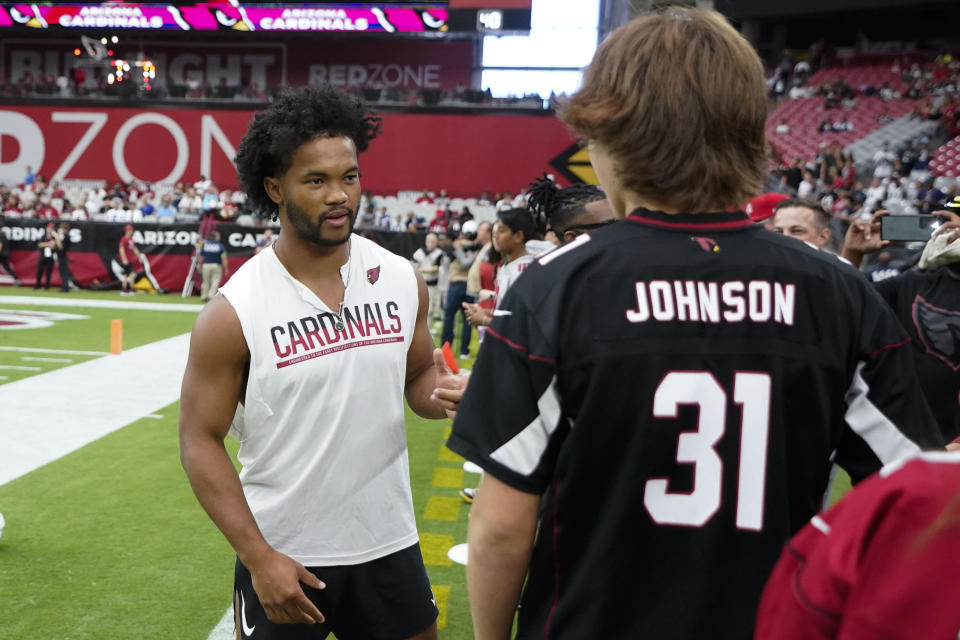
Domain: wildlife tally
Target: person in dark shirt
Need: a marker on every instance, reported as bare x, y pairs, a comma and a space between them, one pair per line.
5, 255
669, 384
927, 302
47, 247
62, 240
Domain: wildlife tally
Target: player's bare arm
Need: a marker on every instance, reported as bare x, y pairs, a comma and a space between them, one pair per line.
503, 524
213, 384
426, 369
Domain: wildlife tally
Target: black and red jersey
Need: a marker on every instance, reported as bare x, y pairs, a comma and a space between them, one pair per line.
927, 302
677, 386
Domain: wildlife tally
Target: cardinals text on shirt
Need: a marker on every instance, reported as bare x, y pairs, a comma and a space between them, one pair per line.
713, 302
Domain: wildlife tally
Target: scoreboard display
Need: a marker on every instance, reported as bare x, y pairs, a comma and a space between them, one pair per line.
407, 16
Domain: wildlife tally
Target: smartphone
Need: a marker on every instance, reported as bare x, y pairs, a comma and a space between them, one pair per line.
908, 228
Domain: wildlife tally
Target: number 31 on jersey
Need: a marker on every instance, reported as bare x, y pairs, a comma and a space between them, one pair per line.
751, 390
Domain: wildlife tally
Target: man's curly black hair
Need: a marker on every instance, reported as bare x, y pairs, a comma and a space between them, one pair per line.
297, 116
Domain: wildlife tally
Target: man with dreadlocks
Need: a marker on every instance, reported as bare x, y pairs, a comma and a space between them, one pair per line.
570, 211
305, 357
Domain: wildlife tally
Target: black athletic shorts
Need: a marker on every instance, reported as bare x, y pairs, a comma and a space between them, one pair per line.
127, 268
385, 599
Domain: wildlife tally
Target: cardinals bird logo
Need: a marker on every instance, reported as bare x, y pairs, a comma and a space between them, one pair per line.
707, 244
939, 331
373, 275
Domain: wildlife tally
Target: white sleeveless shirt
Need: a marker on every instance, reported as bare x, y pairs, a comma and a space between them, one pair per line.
322, 437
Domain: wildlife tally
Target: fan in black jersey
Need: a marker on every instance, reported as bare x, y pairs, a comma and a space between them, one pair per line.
670, 384
927, 302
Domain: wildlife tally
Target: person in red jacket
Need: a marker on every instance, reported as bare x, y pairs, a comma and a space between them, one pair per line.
882, 563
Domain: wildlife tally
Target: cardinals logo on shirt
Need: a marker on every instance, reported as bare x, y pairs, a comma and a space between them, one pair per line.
373, 275
707, 244
939, 330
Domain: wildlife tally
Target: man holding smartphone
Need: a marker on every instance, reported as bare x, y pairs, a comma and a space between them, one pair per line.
927, 302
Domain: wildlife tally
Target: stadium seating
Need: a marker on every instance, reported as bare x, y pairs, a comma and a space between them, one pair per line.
803, 116
946, 161
896, 133
858, 76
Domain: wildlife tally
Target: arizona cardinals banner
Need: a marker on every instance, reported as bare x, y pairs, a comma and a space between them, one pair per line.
168, 249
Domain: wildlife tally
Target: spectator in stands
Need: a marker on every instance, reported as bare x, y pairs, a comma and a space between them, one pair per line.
887, 93
79, 212
47, 247
825, 126
383, 218
5, 255
118, 211
13, 207
485, 199
144, 208
202, 184
884, 161
783, 128
427, 261
505, 201
166, 212
45, 210
425, 198
875, 194
803, 220
367, 219
30, 177
442, 200
842, 125
190, 203
885, 117
440, 221
807, 188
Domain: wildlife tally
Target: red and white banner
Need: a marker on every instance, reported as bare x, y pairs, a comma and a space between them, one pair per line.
403, 64
464, 154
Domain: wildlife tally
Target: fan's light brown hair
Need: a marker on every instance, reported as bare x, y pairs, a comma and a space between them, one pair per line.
678, 100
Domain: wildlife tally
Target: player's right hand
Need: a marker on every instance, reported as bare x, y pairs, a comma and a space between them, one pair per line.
276, 579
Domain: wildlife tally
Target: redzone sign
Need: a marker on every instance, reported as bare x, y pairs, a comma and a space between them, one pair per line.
152, 146
462, 153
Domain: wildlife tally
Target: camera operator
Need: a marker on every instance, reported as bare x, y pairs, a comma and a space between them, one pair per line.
927, 302
465, 249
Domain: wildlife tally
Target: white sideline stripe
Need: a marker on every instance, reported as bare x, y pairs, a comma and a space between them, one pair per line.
99, 304
224, 629
155, 416
36, 359
3, 377
522, 452
94, 398
66, 352
16, 367
882, 436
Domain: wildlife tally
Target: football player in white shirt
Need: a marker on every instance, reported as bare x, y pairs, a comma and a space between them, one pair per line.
317, 339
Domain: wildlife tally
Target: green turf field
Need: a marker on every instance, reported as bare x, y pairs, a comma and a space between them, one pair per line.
109, 542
